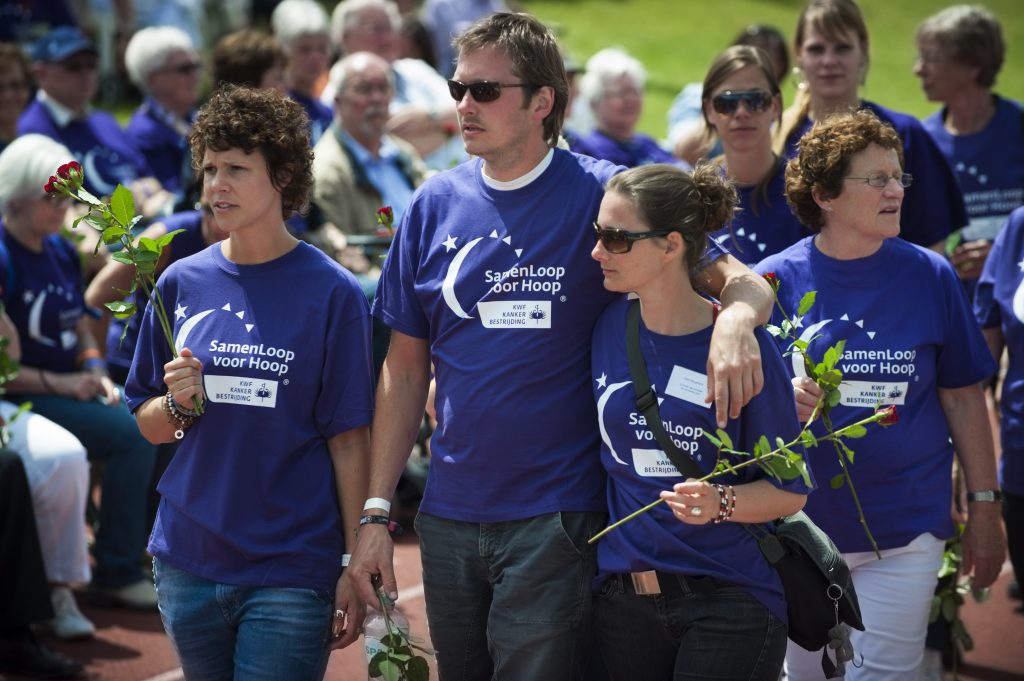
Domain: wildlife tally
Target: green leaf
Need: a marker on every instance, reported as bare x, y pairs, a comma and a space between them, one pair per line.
952, 241
807, 437
166, 238
418, 669
122, 205
112, 235
713, 440
122, 257
389, 671
147, 244
837, 481
833, 398
773, 330
846, 450
373, 669
724, 437
764, 444
830, 358
855, 431
949, 609
121, 306
806, 303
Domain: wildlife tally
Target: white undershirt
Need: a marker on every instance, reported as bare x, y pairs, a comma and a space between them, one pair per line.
521, 181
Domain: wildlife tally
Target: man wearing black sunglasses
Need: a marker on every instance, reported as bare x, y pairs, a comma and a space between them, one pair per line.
490, 279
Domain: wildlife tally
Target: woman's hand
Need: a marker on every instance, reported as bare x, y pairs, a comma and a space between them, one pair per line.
969, 258
183, 376
349, 613
693, 502
80, 385
806, 394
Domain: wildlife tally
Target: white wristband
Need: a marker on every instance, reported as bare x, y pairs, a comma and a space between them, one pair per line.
346, 558
378, 503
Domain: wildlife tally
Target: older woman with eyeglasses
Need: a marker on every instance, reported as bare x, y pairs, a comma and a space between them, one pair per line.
960, 51
614, 85
741, 101
910, 341
63, 373
164, 65
721, 611
831, 49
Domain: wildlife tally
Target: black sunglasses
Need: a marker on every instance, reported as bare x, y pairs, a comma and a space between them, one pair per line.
618, 241
728, 102
482, 91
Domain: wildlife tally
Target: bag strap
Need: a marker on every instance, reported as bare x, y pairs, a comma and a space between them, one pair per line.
647, 401
647, 404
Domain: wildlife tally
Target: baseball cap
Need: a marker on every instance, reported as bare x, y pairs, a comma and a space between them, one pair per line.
60, 43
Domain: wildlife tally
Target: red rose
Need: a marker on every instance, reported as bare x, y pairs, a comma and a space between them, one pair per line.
889, 417
772, 280
385, 216
51, 186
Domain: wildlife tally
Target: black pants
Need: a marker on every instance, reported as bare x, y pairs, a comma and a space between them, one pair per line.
24, 592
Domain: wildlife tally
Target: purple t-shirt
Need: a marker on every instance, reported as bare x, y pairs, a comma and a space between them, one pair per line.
189, 242
909, 331
638, 469
502, 285
250, 496
638, 151
933, 206
320, 115
166, 151
764, 224
999, 302
989, 165
45, 301
108, 156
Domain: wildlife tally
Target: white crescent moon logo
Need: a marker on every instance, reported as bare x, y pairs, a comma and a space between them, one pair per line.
95, 178
448, 287
35, 316
1018, 302
797, 357
600, 419
187, 327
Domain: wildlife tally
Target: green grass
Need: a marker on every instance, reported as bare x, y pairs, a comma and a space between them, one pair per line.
677, 39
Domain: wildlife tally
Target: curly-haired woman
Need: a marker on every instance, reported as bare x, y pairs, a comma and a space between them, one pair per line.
910, 341
264, 492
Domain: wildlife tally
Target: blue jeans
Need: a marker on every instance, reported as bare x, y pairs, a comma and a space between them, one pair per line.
110, 437
509, 600
698, 634
223, 632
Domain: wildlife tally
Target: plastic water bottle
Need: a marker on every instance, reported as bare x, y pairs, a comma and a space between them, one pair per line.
375, 629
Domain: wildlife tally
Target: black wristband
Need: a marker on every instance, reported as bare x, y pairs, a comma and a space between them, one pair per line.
393, 527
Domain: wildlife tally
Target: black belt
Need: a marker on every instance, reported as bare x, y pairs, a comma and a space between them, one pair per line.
653, 582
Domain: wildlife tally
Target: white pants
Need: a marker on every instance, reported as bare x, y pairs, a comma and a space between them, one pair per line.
895, 595
58, 475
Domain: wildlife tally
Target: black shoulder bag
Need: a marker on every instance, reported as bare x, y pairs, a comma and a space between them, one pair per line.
819, 589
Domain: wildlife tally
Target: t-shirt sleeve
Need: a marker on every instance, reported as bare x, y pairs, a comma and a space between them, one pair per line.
964, 357
986, 309
772, 413
346, 392
396, 302
146, 376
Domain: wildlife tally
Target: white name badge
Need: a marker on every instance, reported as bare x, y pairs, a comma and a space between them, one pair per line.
871, 393
251, 392
688, 385
515, 314
652, 463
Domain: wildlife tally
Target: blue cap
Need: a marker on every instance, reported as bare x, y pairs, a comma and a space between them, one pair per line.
60, 43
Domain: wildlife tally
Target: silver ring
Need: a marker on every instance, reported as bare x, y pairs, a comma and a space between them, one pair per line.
696, 511
339, 614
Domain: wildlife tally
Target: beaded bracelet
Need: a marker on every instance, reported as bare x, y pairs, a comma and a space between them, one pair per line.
46, 384
176, 416
726, 502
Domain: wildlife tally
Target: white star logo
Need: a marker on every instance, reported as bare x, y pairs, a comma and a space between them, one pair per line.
179, 312
28, 296
602, 380
449, 244
1020, 265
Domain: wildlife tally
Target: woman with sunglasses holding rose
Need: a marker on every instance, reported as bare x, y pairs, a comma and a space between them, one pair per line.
910, 341
741, 101
831, 49
684, 591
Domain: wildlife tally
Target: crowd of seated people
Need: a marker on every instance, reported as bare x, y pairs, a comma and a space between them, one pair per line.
372, 76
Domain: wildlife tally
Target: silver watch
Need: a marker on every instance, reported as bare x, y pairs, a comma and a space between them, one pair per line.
985, 495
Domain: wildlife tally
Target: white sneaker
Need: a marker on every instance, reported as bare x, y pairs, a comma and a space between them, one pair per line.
69, 622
